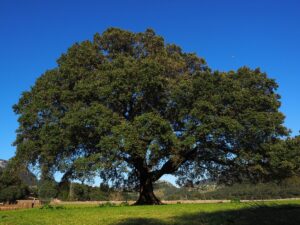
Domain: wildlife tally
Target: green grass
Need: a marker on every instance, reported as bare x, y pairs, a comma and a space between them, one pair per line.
275, 213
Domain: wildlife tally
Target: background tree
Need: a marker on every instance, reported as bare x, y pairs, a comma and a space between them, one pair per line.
133, 108
12, 187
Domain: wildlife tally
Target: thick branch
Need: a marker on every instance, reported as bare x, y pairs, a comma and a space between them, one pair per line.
169, 167
173, 164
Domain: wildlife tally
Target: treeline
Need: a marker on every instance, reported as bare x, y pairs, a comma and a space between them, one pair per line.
12, 188
83, 192
72, 191
288, 188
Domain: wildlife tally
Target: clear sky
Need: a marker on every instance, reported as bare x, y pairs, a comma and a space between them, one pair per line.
227, 33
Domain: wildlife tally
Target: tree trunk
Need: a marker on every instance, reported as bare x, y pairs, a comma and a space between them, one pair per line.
147, 196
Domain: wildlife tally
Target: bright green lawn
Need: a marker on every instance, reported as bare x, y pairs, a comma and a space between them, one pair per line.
275, 213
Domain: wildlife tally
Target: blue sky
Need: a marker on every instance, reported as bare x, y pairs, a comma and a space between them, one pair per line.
228, 34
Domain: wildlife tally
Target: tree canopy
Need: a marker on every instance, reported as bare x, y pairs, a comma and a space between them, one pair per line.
131, 108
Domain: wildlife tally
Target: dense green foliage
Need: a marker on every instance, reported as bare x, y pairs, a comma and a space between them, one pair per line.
12, 187
132, 108
284, 158
273, 213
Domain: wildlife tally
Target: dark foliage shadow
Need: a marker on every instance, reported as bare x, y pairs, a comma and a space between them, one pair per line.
254, 215
141, 221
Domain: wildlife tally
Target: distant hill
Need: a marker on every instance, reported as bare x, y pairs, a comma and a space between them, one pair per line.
162, 184
167, 191
164, 189
26, 176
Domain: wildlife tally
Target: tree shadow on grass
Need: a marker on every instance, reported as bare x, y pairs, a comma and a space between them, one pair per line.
141, 221
254, 215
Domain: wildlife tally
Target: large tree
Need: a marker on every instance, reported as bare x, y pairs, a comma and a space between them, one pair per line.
132, 108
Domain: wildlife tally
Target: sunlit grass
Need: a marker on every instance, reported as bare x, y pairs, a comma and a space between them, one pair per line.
208, 214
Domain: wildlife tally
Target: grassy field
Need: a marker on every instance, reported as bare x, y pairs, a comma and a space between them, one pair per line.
269, 213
